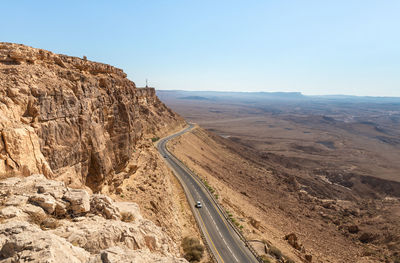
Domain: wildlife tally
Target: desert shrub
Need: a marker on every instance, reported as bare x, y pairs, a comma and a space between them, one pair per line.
274, 251
37, 218
228, 213
44, 221
265, 259
193, 250
154, 139
289, 260
367, 237
127, 217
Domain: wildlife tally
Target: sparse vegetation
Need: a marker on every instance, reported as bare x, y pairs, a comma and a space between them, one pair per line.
274, 251
265, 259
127, 217
205, 182
193, 250
44, 221
229, 213
154, 139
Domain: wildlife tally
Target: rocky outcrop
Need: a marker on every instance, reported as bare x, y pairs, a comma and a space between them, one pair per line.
89, 229
117, 254
72, 119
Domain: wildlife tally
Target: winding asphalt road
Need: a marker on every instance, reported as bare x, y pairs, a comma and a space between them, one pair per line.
225, 244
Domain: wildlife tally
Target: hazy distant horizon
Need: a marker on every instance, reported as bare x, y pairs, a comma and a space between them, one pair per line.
317, 47
261, 91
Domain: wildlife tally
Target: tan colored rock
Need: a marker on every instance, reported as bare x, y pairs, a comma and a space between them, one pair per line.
117, 254
79, 201
54, 188
23, 242
23, 149
83, 122
255, 223
103, 205
97, 233
41, 230
33, 210
130, 208
45, 201
16, 200
61, 208
293, 241
71, 118
8, 183
10, 212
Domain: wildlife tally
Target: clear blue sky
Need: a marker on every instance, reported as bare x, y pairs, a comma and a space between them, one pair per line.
316, 47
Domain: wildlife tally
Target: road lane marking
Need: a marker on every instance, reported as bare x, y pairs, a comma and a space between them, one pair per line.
186, 171
205, 228
222, 218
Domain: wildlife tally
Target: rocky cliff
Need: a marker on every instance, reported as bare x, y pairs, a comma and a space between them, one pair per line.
72, 119
85, 125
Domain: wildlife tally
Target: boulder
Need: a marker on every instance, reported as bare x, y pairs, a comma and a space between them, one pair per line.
255, 223
79, 201
10, 212
103, 205
292, 240
33, 210
129, 208
23, 242
45, 201
353, 229
54, 188
96, 233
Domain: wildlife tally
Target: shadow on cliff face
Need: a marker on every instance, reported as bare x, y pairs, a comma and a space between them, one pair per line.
83, 119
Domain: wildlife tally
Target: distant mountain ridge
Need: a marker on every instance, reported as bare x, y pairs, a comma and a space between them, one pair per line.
257, 96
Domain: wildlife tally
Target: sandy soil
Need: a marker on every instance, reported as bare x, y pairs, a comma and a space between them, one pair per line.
270, 201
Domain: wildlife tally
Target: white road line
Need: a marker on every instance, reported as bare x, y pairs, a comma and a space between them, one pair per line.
163, 145
219, 232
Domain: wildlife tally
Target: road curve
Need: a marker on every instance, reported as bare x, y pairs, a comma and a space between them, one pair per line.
225, 244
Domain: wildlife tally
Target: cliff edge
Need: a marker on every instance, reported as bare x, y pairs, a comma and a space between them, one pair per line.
72, 119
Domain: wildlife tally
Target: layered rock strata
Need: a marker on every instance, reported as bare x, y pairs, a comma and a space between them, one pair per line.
72, 119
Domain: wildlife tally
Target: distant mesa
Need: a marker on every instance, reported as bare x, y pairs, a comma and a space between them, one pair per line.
193, 98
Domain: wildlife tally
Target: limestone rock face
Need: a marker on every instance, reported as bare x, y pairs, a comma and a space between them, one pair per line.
88, 230
117, 254
23, 242
71, 118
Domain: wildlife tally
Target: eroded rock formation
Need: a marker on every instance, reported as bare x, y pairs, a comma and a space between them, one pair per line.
45, 221
72, 119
